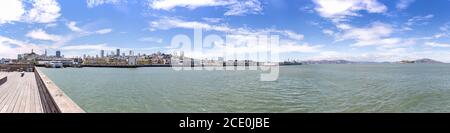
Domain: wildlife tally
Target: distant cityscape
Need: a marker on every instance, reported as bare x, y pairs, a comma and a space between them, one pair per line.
118, 59
114, 58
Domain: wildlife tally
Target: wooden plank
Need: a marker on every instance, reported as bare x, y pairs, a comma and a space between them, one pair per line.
26, 107
33, 93
8, 90
4, 91
11, 98
9, 95
16, 98
26, 104
20, 94
21, 103
31, 107
20, 97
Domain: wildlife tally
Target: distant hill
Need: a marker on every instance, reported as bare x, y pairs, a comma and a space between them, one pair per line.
427, 61
420, 61
328, 62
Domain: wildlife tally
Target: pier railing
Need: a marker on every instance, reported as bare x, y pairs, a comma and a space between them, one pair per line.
53, 99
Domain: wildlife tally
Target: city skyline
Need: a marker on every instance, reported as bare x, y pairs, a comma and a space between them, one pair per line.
357, 30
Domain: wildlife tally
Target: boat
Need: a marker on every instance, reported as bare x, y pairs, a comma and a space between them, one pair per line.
54, 64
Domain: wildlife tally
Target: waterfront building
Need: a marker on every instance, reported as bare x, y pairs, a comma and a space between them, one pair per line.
117, 52
132, 60
28, 56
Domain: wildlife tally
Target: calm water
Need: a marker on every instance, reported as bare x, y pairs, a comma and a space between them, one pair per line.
306, 88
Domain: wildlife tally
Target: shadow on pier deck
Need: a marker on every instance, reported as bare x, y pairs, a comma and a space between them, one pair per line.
33, 93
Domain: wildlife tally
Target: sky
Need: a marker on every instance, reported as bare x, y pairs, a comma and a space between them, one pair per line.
357, 30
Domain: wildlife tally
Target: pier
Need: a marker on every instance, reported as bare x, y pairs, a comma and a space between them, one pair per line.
33, 92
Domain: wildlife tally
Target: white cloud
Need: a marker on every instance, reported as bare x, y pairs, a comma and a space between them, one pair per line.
238, 51
384, 41
11, 10
170, 4
72, 26
86, 49
238, 8
380, 55
403, 4
43, 11
376, 31
328, 32
377, 34
419, 20
103, 31
292, 35
51, 25
302, 48
340, 10
94, 3
416, 20
96, 47
435, 44
40, 34
169, 23
9, 48
445, 27
444, 31
235, 7
151, 39
213, 20
440, 35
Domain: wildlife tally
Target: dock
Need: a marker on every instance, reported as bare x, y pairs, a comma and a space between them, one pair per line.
20, 94
33, 93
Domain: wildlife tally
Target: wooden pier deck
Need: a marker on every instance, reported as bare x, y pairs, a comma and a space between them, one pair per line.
33, 93
20, 94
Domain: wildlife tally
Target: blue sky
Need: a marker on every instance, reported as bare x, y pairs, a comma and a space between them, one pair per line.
360, 30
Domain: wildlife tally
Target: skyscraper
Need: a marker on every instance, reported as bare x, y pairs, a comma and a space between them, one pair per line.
58, 54
102, 53
117, 52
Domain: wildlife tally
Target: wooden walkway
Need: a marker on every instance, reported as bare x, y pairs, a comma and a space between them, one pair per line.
20, 94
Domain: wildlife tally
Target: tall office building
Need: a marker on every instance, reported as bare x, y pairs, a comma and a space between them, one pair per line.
102, 53
58, 54
117, 52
